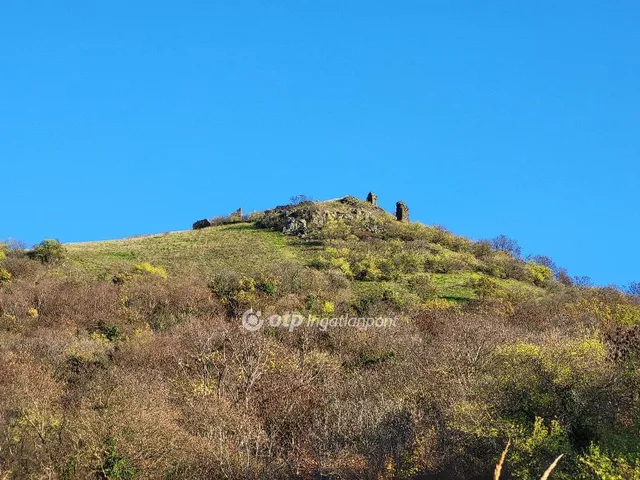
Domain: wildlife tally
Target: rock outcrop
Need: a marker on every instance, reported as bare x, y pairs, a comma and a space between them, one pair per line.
307, 218
204, 223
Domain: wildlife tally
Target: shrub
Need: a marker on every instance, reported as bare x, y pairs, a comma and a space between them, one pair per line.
111, 332
408, 262
482, 249
505, 244
633, 289
422, 286
298, 199
121, 278
540, 274
608, 467
268, 287
544, 260
334, 229
334, 258
5, 276
484, 287
367, 270
583, 281
444, 237
503, 265
564, 278
328, 308
233, 290
567, 381
147, 268
443, 263
535, 449
607, 306
49, 251
114, 466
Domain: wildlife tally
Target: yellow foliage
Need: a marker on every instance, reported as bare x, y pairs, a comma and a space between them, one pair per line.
606, 312
539, 273
202, 388
147, 268
5, 276
439, 304
36, 420
328, 307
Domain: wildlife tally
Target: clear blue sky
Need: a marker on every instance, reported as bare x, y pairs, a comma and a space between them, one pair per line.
120, 118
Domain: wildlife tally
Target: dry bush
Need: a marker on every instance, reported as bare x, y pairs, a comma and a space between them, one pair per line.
22, 267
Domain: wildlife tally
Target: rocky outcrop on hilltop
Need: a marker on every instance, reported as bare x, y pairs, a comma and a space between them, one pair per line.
306, 218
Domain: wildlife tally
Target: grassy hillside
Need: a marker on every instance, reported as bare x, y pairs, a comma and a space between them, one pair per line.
238, 246
129, 359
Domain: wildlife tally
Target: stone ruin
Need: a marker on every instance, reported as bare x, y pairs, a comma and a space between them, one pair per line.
402, 212
301, 218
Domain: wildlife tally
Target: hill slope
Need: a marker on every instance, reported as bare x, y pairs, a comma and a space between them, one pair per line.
132, 358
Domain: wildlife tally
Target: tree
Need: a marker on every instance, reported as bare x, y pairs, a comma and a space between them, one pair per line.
297, 199
506, 244
49, 251
633, 289
545, 261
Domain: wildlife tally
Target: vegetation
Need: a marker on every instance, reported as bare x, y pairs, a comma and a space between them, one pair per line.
127, 359
5, 275
49, 251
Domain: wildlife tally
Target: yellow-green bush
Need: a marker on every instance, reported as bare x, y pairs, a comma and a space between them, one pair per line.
235, 291
536, 447
485, 287
540, 274
334, 258
422, 285
5, 276
601, 465
606, 310
566, 380
367, 269
147, 268
49, 251
328, 308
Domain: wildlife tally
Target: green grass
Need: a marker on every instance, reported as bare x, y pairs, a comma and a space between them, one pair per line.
240, 247
246, 249
456, 286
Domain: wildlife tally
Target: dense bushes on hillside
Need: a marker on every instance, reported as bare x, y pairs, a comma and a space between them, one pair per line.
140, 369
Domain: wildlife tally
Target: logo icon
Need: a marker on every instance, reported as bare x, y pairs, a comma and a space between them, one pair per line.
252, 321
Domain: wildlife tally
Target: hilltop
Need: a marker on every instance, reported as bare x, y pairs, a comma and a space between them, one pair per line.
138, 358
354, 237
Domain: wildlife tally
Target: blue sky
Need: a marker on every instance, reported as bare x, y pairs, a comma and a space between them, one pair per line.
120, 118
